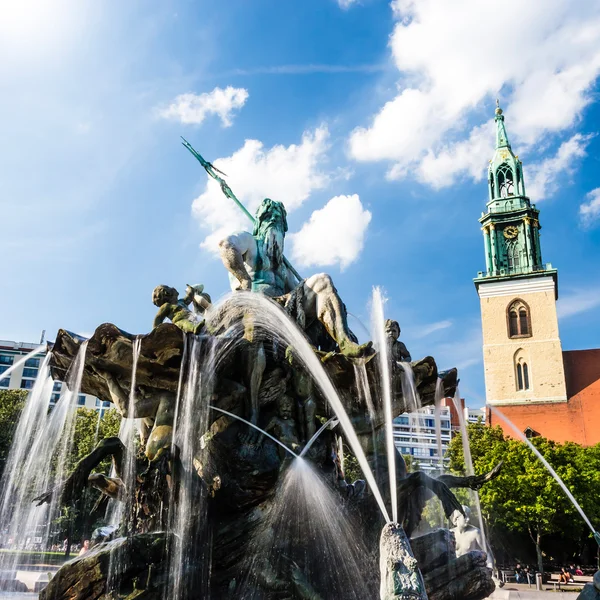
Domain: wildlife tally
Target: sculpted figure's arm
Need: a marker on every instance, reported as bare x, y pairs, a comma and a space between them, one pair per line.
233, 250
161, 315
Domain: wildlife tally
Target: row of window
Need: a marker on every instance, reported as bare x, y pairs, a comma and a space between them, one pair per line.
404, 420
9, 359
418, 451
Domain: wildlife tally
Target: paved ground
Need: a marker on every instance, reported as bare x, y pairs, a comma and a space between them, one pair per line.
521, 591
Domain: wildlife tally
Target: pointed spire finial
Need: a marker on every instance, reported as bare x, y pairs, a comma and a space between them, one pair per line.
498, 109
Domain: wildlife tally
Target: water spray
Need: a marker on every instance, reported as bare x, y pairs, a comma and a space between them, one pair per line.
230, 414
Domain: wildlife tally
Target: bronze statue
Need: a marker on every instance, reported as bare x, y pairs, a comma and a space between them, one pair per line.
398, 350
256, 263
171, 307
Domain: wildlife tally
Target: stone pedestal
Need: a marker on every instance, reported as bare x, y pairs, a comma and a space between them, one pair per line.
447, 577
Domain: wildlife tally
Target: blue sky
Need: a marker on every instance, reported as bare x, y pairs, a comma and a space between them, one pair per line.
371, 121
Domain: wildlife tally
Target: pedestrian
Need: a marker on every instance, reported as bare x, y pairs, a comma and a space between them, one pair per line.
85, 547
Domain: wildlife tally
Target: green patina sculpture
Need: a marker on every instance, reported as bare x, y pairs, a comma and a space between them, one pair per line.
176, 309
400, 575
256, 262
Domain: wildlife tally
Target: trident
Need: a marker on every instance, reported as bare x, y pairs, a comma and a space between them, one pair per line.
214, 173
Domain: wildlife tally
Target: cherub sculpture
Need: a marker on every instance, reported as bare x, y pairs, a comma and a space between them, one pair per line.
170, 306
398, 350
283, 426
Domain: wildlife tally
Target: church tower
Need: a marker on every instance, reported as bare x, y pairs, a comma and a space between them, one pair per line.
522, 353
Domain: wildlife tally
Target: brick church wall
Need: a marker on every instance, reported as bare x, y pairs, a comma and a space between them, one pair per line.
578, 419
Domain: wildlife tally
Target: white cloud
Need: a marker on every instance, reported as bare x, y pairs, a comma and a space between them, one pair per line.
346, 4
426, 330
334, 234
541, 179
578, 301
285, 173
193, 109
455, 57
589, 212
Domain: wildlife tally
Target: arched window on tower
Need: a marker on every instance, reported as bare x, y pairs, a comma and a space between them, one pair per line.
521, 371
505, 181
519, 319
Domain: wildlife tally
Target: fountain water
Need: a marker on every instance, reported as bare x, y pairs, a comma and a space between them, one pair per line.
305, 507
469, 467
439, 396
330, 423
22, 360
230, 414
188, 555
270, 317
381, 344
122, 509
44, 434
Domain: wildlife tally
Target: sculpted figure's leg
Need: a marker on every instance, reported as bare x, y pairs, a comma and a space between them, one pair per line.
257, 364
324, 303
159, 440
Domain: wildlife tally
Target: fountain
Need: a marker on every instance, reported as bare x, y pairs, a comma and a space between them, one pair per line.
236, 487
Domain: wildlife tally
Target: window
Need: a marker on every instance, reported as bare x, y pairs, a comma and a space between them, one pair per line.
523, 322
98, 403
30, 373
105, 404
54, 398
6, 359
505, 181
3, 368
519, 319
513, 321
525, 376
32, 362
57, 386
522, 370
27, 384
81, 400
4, 383
402, 420
513, 255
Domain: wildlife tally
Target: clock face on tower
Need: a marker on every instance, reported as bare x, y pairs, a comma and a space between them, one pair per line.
511, 232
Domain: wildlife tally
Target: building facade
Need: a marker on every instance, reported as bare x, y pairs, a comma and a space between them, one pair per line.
24, 376
415, 436
527, 375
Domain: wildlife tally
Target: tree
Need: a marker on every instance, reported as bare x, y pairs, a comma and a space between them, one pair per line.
11, 405
525, 497
73, 523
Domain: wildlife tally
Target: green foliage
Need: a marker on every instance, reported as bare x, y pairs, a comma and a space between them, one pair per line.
74, 520
11, 405
88, 431
525, 498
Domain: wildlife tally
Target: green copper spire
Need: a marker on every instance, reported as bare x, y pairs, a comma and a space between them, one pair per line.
511, 224
501, 136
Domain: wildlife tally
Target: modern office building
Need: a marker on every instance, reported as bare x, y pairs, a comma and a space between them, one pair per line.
415, 436
24, 376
